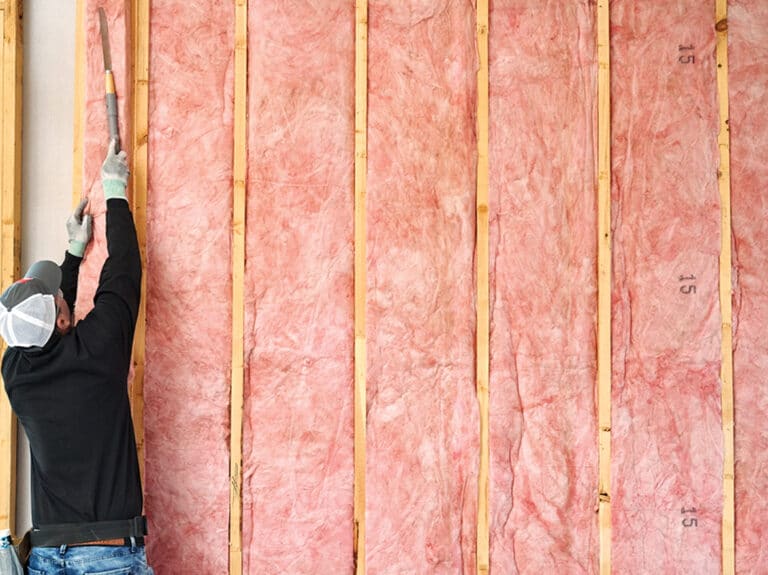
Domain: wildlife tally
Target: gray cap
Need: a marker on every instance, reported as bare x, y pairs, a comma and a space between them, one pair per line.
42, 277
47, 272
28, 312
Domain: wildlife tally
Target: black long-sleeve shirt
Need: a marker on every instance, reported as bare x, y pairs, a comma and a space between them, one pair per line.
71, 395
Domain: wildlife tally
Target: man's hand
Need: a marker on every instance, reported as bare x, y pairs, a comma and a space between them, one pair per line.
79, 229
114, 173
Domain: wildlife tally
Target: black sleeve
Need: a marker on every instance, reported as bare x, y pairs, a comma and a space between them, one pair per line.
70, 269
116, 304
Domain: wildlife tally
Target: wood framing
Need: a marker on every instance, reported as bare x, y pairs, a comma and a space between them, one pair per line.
726, 366
360, 281
10, 241
604, 282
238, 288
483, 299
139, 156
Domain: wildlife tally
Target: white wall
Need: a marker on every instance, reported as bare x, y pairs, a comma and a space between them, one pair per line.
49, 72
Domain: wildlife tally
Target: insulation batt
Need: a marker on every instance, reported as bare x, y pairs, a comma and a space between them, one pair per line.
422, 441
297, 452
667, 432
748, 85
543, 290
188, 334
96, 134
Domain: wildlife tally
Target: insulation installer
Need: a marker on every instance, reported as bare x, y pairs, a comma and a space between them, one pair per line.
67, 386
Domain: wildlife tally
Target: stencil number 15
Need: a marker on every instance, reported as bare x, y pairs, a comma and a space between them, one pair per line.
686, 54
688, 288
691, 520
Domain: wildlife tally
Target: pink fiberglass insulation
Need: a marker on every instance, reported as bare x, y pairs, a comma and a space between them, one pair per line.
188, 272
748, 84
297, 453
96, 133
422, 442
667, 432
422, 434
543, 291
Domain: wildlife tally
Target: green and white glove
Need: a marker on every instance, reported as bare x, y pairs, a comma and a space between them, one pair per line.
114, 173
79, 229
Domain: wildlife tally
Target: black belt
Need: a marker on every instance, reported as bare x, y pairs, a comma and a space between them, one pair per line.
74, 533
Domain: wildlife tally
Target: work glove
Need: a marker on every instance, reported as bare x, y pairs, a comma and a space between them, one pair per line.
114, 173
79, 229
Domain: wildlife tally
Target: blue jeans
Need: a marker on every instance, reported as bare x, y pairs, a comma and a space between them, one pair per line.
89, 560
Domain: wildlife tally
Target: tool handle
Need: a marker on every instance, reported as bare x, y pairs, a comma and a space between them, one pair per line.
114, 132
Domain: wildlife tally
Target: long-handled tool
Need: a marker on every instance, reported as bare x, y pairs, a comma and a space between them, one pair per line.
109, 81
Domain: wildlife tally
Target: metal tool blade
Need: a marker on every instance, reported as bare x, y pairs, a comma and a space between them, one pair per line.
105, 39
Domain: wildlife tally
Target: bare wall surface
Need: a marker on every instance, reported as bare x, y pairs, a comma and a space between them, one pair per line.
49, 49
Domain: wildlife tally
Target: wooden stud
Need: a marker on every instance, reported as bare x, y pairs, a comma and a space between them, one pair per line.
10, 239
360, 281
726, 367
238, 288
78, 140
604, 282
139, 155
483, 289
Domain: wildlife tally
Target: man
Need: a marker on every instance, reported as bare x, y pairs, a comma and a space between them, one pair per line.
67, 385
